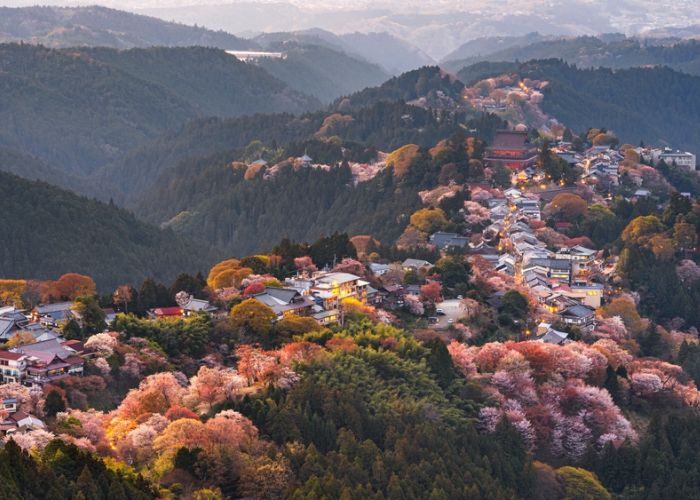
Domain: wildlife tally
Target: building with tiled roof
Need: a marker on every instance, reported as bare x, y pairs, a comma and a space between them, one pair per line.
512, 149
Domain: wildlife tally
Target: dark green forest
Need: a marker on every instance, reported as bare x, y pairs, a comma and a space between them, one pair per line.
64, 471
322, 72
384, 126
78, 110
411, 85
49, 232
245, 217
389, 422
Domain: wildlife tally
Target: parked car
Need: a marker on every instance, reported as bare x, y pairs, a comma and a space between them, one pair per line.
440, 312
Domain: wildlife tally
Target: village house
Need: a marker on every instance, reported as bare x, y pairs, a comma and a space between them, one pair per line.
590, 295
581, 262
18, 421
41, 332
580, 316
445, 241
286, 302
165, 312
528, 207
327, 290
12, 367
48, 361
53, 315
680, 159
379, 269
11, 321
545, 333
187, 306
555, 269
536, 279
557, 302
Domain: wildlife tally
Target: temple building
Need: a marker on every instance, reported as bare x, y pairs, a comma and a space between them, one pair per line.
511, 148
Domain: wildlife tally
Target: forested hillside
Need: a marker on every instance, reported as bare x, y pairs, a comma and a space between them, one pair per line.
590, 51
49, 232
79, 109
216, 204
212, 81
32, 168
99, 26
655, 105
394, 55
423, 82
137, 171
321, 71
244, 209
384, 126
60, 470
483, 47
76, 112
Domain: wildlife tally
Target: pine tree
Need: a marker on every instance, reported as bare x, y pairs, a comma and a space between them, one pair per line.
54, 403
86, 485
612, 384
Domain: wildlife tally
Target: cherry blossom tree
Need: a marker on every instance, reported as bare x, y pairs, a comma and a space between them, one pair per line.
102, 343
462, 358
34, 440
155, 394
212, 386
431, 291
688, 271
254, 364
475, 213
352, 266
305, 264
103, 366
414, 305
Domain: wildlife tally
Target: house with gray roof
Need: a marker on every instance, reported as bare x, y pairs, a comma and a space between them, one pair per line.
53, 314
285, 301
580, 316
444, 241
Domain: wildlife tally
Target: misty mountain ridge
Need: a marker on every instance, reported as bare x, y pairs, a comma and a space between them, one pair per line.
609, 51
100, 26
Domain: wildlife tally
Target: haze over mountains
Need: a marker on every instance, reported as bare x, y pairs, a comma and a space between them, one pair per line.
435, 27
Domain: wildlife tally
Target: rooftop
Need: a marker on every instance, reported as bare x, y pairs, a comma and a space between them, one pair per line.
577, 311
511, 139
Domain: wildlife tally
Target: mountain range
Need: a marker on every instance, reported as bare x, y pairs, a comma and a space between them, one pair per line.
393, 54
80, 108
100, 26
609, 51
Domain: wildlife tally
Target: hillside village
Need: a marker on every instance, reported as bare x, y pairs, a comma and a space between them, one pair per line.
505, 235
521, 272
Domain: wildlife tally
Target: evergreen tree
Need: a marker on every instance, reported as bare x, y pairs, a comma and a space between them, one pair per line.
54, 403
